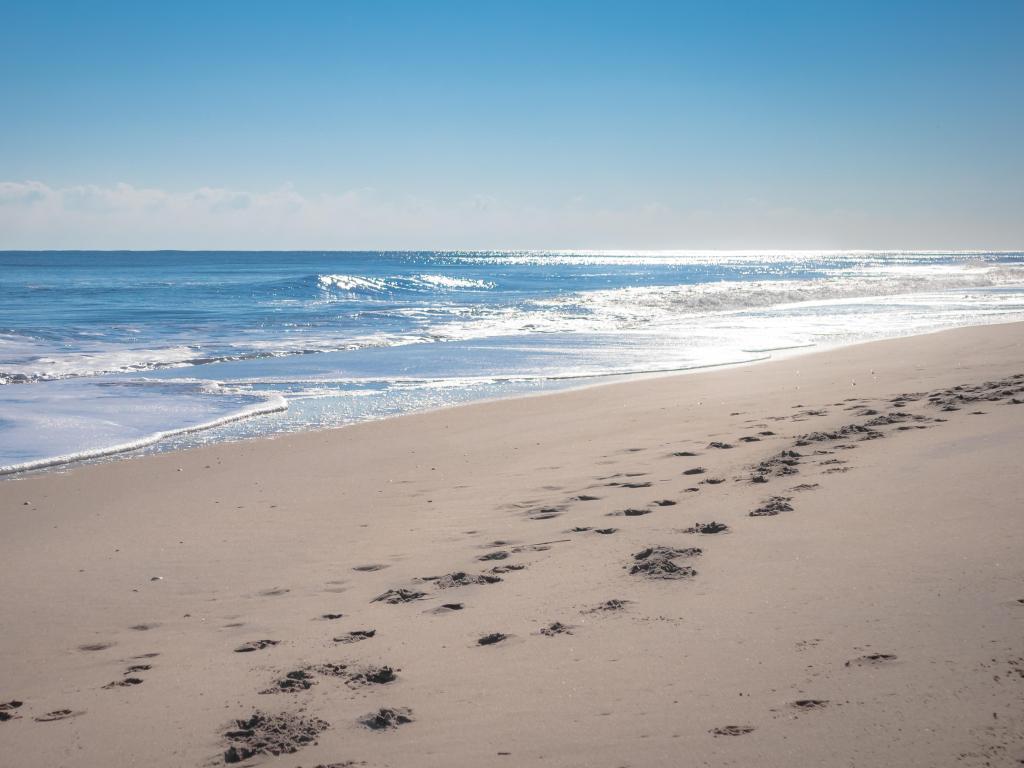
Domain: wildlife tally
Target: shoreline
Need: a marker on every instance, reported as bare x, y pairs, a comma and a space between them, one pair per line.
859, 616
141, 448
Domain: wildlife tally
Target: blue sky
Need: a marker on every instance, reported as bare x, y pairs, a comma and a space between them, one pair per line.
521, 124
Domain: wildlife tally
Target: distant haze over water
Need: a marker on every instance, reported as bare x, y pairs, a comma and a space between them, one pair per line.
103, 352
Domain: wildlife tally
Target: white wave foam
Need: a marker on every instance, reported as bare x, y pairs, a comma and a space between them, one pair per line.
724, 296
47, 365
272, 404
416, 283
445, 281
353, 283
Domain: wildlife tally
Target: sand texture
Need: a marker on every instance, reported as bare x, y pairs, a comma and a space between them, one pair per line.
817, 561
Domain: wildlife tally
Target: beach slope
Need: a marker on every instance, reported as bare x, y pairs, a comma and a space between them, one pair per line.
812, 561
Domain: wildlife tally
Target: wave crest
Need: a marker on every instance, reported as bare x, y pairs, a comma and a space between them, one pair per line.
357, 284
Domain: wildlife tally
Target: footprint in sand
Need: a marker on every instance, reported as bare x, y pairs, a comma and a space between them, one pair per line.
387, 719
267, 734
447, 608
57, 714
556, 628
7, 708
871, 660
355, 636
708, 528
773, 506
276, 592
125, 683
546, 513
499, 555
807, 705
255, 645
370, 567
732, 730
614, 604
396, 596
659, 562
462, 579
95, 646
629, 513
492, 639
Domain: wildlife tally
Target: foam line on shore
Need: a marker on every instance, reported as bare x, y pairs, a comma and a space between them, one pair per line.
273, 404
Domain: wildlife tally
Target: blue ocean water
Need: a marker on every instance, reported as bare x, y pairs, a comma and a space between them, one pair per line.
102, 352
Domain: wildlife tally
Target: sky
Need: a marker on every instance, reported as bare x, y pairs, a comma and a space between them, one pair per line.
421, 125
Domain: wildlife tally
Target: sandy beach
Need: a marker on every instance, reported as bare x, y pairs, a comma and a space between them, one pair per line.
815, 561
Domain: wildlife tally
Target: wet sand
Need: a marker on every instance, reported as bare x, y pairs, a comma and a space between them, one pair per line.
813, 561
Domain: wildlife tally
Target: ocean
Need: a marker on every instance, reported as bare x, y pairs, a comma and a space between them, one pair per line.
107, 353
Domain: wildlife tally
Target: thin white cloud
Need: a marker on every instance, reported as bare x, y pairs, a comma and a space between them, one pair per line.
34, 215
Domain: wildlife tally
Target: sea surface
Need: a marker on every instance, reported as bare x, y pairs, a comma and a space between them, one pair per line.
108, 352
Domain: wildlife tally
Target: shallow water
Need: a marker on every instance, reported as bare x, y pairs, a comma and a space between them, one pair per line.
112, 351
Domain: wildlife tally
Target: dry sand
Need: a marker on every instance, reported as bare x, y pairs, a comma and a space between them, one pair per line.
877, 619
